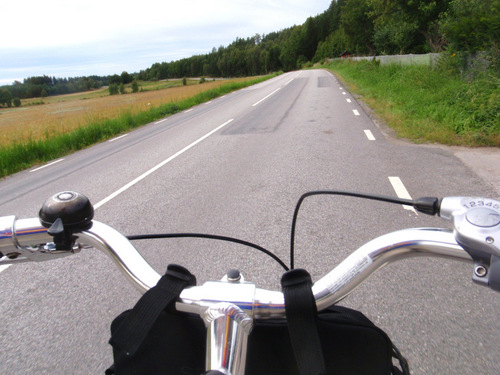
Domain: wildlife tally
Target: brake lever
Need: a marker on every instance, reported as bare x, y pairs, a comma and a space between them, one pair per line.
476, 224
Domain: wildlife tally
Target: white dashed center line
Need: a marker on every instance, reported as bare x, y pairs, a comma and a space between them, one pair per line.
369, 135
261, 100
46, 165
117, 138
401, 191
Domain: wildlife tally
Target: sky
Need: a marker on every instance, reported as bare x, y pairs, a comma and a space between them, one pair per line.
71, 38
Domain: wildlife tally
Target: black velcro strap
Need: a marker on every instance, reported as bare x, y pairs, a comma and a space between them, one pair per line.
134, 329
301, 314
403, 363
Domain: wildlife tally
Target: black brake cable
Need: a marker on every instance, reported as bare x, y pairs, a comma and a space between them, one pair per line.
382, 198
211, 237
429, 206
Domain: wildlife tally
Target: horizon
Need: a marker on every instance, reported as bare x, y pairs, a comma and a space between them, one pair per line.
113, 46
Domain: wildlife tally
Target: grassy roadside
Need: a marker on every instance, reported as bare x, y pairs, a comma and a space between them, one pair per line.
22, 155
427, 104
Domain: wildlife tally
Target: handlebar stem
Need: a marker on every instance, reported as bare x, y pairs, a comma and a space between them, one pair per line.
228, 328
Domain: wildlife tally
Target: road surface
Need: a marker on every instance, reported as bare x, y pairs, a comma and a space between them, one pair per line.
236, 166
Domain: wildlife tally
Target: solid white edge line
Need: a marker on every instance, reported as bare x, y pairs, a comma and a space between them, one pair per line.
401, 191
261, 100
369, 135
158, 166
355, 111
117, 138
46, 165
289, 81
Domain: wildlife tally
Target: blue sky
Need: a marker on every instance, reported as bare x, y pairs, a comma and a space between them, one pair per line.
69, 38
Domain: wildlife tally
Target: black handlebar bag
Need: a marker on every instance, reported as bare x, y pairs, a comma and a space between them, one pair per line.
153, 338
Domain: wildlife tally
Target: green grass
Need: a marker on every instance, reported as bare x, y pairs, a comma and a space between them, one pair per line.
427, 104
164, 84
19, 156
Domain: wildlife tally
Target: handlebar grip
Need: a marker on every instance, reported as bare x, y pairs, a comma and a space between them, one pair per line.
7, 243
21, 240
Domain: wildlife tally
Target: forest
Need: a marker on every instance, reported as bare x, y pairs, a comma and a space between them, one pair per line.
358, 27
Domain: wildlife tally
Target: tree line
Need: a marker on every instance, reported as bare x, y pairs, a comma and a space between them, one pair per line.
357, 27
360, 27
43, 86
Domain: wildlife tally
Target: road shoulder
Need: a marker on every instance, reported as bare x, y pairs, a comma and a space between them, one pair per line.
483, 161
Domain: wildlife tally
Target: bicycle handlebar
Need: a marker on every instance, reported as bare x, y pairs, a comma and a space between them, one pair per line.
65, 227
476, 237
27, 239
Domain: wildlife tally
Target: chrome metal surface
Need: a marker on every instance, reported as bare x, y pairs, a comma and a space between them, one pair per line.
476, 222
28, 241
381, 251
227, 338
258, 303
7, 243
343, 279
229, 308
480, 271
198, 298
123, 253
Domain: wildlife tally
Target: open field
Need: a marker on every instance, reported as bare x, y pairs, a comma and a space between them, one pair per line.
39, 133
61, 114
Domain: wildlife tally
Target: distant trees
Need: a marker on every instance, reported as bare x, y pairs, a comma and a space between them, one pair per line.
113, 89
126, 78
42, 86
472, 31
472, 25
357, 23
135, 86
34, 87
358, 26
5, 98
115, 79
362, 27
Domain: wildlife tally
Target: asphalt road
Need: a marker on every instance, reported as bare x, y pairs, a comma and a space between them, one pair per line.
236, 166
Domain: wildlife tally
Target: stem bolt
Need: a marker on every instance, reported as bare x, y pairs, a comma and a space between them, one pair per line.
480, 271
233, 276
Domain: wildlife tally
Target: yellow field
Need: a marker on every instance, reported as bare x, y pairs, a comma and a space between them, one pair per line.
67, 112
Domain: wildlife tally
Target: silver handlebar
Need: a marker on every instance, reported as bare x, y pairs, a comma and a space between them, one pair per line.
24, 240
223, 304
